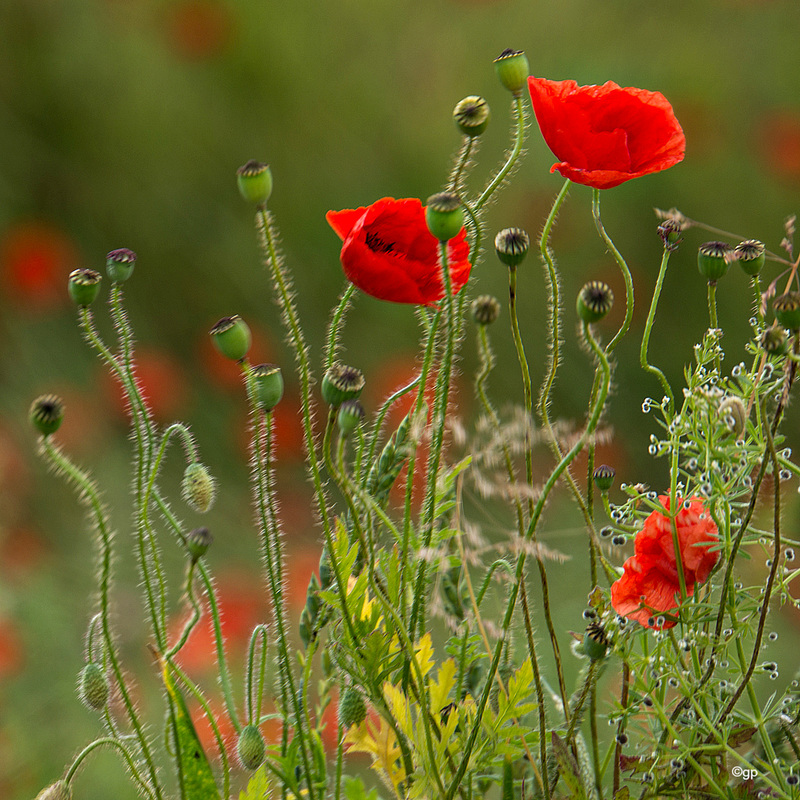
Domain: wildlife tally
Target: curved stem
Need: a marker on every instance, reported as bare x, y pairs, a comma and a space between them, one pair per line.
648, 327
108, 742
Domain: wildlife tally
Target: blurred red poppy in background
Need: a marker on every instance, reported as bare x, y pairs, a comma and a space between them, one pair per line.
606, 135
389, 253
199, 29
779, 135
650, 584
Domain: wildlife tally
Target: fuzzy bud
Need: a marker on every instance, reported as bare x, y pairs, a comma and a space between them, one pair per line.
352, 708
268, 381
83, 286
255, 182
197, 543
471, 116
751, 255
46, 413
603, 477
511, 246
251, 747
93, 687
232, 337
198, 487
350, 415
120, 264
444, 215
713, 259
341, 383
787, 310
56, 791
485, 309
512, 69
594, 301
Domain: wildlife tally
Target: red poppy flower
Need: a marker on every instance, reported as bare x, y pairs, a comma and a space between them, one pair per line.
389, 253
606, 135
650, 584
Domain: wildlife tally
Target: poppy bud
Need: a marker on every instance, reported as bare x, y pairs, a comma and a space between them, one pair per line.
93, 687
511, 246
232, 337
269, 385
251, 747
603, 477
46, 413
733, 414
773, 340
198, 487
197, 543
787, 310
57, 791
351, 412
751, 256
595, 643
444, 215
341, 383
83, 286
120, 264
712, 260
352, 708
471, 115
594, 301
512, 69
255, 182
485, 309
670, 232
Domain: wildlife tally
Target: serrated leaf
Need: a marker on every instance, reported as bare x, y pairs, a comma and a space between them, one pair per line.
622, 794
568, 767
440, 688
258, 787
738, 736
354, 789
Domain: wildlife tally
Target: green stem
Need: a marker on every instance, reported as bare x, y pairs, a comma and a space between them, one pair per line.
108, 742
332, 341
712, 317
648, 327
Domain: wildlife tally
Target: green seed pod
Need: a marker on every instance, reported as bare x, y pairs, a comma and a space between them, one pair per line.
787, 310
485, 309
471, 116
93, 687
751, 255
197, 543
511, 246
350, 415
603, 477
46, 413
198, 487
251, 747
444, 215
594, 301
83, 286
232, 337
512, 69
352, 708
325, 570
713, 259
670, 232
269, 385
255, 182
57, 791
595, 643
120, 264
773, 340
341, 383
733, 414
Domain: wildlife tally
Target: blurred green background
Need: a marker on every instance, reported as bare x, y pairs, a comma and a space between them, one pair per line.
122, 123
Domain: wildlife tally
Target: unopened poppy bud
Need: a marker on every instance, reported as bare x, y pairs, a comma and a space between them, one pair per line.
341, 383
268, 381
120, 264
444, 215
733, 414
232, 337
46, 413
670, 232
512, 69
57, 791
255, 182
351, 412
773, 340
511, 246
93, 687
251, 747
751, 255
471, 115
352, 708
83, 286
787, 310
603, 477
595, 643
713, 260
594, 301
198, 487
485, 309
197, 543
